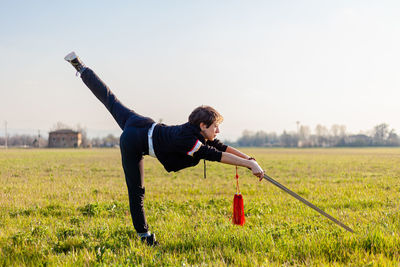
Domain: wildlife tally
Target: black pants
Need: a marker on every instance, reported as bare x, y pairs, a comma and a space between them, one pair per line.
133, 144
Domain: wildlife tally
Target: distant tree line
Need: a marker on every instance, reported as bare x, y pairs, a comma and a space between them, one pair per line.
40, 141
35, 141
108, 141
23, 140
336, 136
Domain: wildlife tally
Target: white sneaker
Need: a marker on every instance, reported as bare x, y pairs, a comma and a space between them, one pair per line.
71, 56
75, 62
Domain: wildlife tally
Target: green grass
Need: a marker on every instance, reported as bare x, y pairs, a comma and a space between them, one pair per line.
70, 207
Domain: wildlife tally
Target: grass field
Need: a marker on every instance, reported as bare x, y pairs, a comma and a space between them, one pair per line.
68, 207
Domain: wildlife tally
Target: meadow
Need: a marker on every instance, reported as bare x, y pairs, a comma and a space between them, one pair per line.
70, 207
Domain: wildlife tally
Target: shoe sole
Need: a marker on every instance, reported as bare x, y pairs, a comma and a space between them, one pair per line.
71, 56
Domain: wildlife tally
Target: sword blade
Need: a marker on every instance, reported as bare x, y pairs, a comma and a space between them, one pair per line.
293, 194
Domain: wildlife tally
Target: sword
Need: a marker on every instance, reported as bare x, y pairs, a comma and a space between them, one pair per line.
293, 194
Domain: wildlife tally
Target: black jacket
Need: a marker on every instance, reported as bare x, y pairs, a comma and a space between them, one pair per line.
182, 146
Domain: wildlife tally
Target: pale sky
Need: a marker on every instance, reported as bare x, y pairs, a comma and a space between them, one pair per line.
263, 64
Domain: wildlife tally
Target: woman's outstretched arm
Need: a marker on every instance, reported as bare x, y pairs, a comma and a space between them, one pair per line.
232, 159
236, 152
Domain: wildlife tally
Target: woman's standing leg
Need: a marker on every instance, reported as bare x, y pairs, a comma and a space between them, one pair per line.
132, 146
136, 190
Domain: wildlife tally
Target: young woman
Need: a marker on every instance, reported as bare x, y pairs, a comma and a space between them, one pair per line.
176, 147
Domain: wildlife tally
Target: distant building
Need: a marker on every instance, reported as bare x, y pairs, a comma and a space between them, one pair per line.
65, 138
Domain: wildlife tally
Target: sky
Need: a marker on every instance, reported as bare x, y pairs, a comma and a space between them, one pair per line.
264, 65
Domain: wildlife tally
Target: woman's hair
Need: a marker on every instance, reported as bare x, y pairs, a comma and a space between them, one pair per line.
205, 114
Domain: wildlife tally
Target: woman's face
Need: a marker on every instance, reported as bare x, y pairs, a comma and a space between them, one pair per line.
211, 132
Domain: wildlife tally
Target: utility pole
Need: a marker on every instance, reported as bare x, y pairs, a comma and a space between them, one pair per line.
5, 125
298, 134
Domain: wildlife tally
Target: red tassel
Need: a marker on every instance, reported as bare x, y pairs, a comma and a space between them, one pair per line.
238, 209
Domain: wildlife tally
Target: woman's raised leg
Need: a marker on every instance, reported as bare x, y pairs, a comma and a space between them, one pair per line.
120, 112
